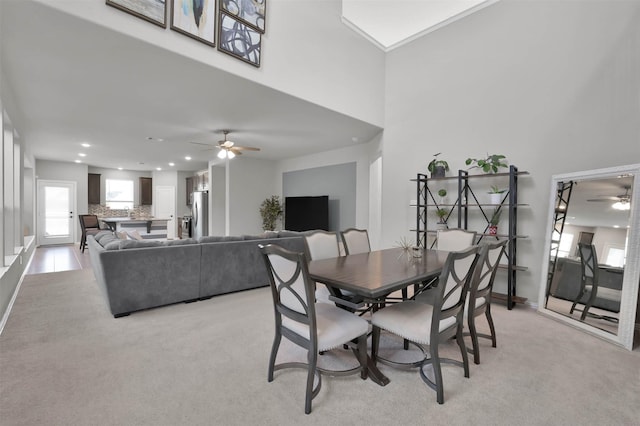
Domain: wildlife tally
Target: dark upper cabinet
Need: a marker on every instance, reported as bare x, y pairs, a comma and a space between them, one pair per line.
190, 188
94, 188
146, 191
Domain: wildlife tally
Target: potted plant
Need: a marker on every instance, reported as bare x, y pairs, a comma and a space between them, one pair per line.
496, 194
270, 211
442, 218
442, 193
437, 168
493, 222
490, 164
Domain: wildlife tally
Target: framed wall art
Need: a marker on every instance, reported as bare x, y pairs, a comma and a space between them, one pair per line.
196, 19
238, 39
249, 12
154, 11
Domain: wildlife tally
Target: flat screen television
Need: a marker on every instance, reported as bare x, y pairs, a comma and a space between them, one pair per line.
306, 213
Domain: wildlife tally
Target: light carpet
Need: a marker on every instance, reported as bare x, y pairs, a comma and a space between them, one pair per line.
64, 360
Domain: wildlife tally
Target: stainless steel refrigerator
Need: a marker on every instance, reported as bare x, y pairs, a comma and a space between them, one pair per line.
199, 214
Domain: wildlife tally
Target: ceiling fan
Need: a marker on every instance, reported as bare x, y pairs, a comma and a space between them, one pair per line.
228, 149
622, 201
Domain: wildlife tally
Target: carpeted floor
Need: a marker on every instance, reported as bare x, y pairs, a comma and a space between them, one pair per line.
64, 360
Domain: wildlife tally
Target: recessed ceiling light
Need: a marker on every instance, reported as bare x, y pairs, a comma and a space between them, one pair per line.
119, 168
158, 168
86, 145
616, 226
81, 154
78, 161
172, 164
355, 139
187, 158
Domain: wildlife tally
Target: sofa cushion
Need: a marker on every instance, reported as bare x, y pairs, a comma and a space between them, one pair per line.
218, 239
285, 234
113, 245
101, 235
129, 244
106, 239
179, 242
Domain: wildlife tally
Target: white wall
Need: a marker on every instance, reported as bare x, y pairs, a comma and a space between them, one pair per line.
306, 52
553, 85
362, 154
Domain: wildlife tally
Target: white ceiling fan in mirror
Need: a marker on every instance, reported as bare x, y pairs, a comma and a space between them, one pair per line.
582, 217
621, 201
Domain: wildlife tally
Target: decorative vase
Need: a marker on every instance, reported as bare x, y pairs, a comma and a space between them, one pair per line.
495, 198
438, 172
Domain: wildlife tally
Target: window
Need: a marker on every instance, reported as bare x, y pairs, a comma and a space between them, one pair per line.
119, 194
565, 244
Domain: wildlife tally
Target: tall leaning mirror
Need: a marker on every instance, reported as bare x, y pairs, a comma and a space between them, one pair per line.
591, 262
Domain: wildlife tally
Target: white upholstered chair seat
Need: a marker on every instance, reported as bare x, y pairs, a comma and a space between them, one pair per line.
335, 326
410, 320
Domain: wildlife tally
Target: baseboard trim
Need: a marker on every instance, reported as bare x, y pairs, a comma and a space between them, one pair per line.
14, 296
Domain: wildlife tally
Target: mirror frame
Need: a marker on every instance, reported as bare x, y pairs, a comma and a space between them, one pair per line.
631, 279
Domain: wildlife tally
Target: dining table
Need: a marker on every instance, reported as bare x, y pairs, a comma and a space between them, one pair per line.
376, 274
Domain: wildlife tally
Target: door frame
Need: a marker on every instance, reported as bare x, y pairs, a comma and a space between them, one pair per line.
74, 225
171, 225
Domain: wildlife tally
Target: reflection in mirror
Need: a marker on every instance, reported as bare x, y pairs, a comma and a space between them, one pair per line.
588, 250
591, 265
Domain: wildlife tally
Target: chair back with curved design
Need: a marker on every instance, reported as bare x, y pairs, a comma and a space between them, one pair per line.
322, 245
589, 277
315, 327
355, 241
479, 298
89, 225
427, 324
455, 239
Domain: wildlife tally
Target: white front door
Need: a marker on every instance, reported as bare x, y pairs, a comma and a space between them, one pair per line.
57, 215
165, 207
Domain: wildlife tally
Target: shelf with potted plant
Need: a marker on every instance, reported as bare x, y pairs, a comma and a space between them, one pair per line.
468, 204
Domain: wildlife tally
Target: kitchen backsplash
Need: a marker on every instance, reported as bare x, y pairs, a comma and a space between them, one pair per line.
104, 211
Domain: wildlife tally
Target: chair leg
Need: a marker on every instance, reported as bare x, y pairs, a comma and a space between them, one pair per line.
83, 242
311, 374
474, 339
274, 353
437, 373
487, 313
463, 351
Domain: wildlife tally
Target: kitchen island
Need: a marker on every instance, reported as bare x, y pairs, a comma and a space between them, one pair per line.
155, 227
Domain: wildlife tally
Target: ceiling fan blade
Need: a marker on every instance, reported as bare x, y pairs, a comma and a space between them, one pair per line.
604, 199
246, 148
235, 150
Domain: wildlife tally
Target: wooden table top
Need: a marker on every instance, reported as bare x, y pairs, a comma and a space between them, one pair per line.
378, 273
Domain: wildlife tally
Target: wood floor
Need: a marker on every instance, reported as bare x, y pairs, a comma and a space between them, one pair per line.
66, 257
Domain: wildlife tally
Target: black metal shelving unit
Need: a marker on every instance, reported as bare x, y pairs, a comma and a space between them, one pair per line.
467, 203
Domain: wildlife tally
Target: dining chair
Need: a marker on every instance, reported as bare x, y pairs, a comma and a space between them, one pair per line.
89, 225
479, 297
355, 241
590, 276
316, 327
324, 245
430, 325
455, 239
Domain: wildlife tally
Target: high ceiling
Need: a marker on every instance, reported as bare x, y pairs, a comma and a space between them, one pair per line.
392, 23
77, 82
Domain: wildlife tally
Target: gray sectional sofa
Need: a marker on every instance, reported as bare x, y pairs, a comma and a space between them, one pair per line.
135, 275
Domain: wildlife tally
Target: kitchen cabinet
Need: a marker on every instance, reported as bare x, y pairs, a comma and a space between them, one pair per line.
93, 194
146, 191
189, 188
